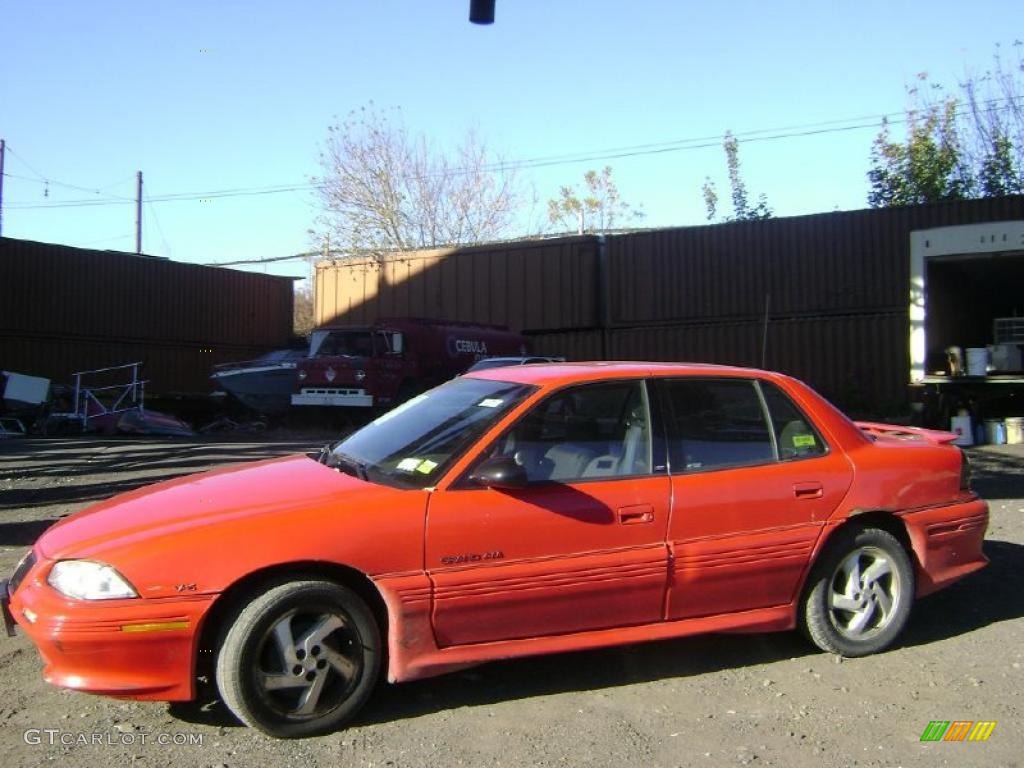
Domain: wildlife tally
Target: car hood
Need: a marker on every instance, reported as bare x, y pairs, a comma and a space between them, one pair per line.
240, 491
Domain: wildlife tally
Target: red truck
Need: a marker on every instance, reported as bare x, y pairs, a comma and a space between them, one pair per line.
391, 360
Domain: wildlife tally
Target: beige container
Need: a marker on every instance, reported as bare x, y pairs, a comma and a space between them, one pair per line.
1015, 430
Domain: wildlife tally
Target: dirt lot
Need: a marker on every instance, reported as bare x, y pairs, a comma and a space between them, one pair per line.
755, 700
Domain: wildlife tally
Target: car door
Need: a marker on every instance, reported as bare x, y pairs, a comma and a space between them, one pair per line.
580, 547
753, 483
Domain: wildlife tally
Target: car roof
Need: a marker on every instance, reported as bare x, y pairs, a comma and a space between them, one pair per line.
565, 373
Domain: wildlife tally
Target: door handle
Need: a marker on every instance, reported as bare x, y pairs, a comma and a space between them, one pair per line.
642, 513
808, 490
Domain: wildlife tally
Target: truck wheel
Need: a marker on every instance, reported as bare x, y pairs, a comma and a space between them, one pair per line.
859, 593
301, 659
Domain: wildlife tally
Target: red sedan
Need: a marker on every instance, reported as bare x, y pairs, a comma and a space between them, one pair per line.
515, 511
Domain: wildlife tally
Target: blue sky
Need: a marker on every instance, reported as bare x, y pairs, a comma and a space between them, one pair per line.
205, 96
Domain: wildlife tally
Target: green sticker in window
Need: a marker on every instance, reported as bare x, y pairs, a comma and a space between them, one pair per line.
803, 441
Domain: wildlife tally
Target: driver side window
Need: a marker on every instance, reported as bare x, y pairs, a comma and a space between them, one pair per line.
582, 433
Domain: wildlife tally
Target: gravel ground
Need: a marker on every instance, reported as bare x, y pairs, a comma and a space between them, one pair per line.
757, 700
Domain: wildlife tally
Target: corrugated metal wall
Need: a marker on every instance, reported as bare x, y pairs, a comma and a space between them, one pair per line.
856, 360
65, 309
823, 264
837, 287
543, 284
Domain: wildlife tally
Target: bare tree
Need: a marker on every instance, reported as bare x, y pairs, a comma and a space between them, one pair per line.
993, 127
304, 313
597, 208
384, 189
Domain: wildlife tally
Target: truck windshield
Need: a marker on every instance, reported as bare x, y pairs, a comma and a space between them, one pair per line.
412, 445
350, 343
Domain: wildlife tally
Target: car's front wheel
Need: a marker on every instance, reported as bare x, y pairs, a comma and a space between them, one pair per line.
859, 593
300, 659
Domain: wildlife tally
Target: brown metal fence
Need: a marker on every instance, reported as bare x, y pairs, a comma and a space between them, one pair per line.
544, 284
823, 264
835, 287
64, 309
856, 360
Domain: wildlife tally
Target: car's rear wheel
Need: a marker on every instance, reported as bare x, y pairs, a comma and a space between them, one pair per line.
300, 659
859, 594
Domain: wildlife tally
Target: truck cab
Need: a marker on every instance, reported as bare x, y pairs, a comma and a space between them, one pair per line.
381, 364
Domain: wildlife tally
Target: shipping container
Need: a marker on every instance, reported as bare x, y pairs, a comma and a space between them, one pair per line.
572, 345
858, 361
65, 309
534, 284
835, 287
827, 263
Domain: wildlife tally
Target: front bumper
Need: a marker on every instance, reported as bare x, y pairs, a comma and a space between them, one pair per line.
333, 396
137, 648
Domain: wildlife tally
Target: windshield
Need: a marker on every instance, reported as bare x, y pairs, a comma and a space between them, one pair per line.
494, 362
343, 343
412, 445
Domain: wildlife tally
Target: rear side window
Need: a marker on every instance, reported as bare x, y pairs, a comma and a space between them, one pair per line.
796, 437
716, 423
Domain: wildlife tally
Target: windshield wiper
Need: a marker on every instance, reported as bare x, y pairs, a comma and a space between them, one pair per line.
345, 462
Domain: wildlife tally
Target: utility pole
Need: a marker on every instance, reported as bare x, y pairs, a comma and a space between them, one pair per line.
138, 212
3, 149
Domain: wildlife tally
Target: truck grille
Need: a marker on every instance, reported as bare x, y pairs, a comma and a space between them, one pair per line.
21, 571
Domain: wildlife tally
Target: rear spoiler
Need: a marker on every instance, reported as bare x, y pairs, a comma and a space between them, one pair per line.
875, 430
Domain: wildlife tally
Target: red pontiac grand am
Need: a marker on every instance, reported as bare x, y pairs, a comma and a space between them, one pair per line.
515, 511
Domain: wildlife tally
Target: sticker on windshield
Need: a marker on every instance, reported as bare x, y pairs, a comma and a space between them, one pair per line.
803, 441
408, 465
426, 466
490, 402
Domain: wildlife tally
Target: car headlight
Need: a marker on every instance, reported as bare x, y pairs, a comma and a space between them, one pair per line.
86, 580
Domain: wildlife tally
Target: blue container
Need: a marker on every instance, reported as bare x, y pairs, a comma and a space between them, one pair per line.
995, 432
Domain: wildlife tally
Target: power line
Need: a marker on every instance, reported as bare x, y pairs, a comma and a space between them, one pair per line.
536, 162
616, 153
46, 180
175, 197
267, 260
159, 229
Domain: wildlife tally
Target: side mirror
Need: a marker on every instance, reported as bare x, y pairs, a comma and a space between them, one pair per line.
501, 472
397, 343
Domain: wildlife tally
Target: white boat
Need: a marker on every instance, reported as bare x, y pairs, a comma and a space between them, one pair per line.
264, 384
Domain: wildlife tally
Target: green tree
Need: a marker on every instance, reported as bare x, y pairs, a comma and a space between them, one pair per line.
926, 167
999, 173
969, 143
742, 210
596, 207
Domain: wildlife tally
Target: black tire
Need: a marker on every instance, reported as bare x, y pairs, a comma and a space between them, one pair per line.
331, 671
859, 594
